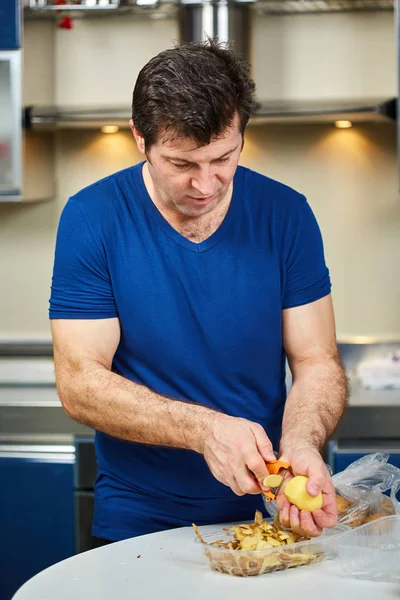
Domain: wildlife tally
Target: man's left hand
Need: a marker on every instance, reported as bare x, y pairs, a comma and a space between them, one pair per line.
308, 461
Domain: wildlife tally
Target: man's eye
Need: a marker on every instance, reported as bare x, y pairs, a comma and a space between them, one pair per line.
224, 160
180, 166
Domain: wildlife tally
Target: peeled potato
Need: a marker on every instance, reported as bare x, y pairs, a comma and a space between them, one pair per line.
273, 481
296, 493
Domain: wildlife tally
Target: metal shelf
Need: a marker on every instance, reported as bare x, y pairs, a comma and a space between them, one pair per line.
321, 6
154, 9
47, 8
314, 111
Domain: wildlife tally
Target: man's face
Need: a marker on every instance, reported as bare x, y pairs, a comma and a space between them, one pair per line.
192, 181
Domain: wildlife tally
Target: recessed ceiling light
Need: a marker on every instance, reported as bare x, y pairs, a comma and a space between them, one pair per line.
343, 124
109, 129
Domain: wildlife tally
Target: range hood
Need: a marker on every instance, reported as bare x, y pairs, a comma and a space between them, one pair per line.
229, 21
324, 111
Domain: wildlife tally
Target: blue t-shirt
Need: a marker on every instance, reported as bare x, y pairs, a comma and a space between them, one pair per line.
199, 322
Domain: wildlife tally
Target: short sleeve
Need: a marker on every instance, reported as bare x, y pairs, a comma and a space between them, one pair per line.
305, 274
81, 286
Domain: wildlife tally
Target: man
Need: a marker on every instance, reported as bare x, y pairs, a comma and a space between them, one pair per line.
180, 286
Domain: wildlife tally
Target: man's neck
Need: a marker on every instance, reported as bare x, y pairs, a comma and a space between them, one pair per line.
196, 229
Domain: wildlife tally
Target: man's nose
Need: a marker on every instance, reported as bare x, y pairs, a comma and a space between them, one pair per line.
204, 182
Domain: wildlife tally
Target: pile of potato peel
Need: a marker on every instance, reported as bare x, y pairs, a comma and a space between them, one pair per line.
248, 545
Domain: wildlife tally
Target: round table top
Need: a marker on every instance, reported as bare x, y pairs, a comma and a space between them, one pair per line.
170, 565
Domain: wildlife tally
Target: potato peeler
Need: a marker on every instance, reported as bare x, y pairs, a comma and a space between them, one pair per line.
279, 467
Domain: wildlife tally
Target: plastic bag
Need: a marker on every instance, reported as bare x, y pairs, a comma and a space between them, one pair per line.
360, 490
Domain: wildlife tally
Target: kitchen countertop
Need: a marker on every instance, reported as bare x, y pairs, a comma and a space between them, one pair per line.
27, 410
31, 408
46, 396
171, 567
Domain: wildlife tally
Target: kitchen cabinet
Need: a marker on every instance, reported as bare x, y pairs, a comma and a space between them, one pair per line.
26, 158
10, 124
36, 511
10, 24
341, 454
85, 476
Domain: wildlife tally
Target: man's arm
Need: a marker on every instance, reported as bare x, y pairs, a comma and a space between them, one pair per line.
314, 406
235, 449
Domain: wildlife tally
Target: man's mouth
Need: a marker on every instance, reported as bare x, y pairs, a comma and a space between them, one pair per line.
202, 198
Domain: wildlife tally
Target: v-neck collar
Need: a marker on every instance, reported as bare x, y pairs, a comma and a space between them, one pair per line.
174, 235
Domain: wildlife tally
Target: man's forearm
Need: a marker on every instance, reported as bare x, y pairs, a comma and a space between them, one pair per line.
314, 405
119, 407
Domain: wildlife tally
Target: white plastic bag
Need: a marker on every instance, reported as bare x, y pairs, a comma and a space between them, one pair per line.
362, 484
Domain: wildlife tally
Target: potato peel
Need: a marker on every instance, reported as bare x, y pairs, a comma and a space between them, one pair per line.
258, 548
273, 481
196, 529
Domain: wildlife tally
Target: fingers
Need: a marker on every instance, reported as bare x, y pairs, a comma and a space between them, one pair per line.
300, 522
229, 481
235, 487
283, 503
304, 523
263, 443
315, 469
284, 511
246, 482
237, 476
255, 463
317, 482
324, 519
308, 525
309, 462
327, 516
236, 452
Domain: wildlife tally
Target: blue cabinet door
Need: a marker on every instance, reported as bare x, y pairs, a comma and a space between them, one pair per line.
343, 459
36, 515
340, 455
10, 24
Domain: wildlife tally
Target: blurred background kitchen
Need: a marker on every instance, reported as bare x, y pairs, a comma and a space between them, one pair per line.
327, 75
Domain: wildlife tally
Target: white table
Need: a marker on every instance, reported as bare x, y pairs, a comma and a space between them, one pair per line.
171, 567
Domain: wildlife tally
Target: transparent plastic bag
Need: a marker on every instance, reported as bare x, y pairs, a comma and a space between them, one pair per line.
360, 491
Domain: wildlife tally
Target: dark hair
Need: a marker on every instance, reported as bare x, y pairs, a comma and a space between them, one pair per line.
192, 91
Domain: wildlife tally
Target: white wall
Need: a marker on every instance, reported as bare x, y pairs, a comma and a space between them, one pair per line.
325, 56
293, 56
350, 177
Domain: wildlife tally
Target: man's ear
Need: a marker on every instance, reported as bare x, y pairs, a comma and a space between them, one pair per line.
138, 137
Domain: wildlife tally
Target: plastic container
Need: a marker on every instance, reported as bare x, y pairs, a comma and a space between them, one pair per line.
371, 551
245, 563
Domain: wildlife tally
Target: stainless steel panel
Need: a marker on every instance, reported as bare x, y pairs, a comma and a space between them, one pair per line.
84, 506
37, 448
39, 453
226, 20
37, 420
86, 466
41, 457
10, 126
21, 349
370, 422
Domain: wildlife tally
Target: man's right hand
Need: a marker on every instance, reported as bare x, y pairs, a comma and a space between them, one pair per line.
236, 451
